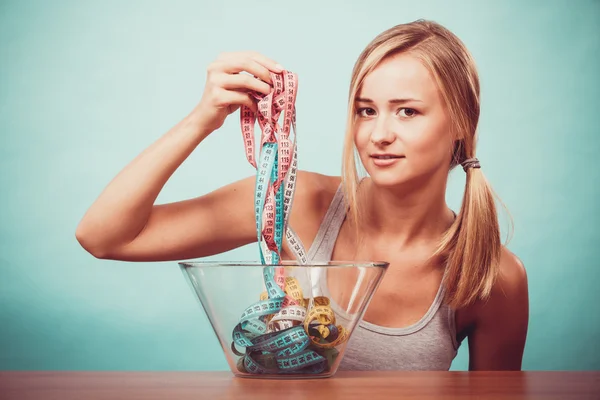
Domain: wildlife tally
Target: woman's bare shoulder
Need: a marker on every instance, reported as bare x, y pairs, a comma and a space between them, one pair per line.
510, 289
318, 187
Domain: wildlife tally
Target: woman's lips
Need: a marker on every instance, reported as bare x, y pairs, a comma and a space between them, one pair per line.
385, 160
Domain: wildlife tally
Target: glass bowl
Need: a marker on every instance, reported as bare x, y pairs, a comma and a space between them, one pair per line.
284, 321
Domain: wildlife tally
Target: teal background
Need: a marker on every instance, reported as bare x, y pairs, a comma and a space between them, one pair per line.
86, 86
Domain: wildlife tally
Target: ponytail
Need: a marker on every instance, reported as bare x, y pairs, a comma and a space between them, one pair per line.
472, 244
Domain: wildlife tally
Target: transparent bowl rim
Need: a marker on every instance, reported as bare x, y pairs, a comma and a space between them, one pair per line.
285, 263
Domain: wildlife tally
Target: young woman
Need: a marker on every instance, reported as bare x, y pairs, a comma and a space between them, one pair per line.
413, 114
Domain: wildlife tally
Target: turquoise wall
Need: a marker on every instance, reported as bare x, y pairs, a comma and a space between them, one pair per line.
87, 85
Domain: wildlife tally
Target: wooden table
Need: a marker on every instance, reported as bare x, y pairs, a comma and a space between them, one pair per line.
344, 385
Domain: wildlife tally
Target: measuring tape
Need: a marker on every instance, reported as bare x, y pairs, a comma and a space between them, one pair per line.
276, 155
278, 333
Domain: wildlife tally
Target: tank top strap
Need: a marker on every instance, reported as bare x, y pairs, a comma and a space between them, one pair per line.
322, 246
330, 225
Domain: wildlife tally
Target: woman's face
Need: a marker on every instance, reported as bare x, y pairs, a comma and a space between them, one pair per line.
402, 130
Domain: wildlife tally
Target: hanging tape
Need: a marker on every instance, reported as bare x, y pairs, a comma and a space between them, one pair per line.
277, 332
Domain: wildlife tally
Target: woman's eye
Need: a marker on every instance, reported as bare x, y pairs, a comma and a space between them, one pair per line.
365, 112
408, 112
369, 112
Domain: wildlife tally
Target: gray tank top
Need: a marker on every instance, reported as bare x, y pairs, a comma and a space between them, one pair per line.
429, 344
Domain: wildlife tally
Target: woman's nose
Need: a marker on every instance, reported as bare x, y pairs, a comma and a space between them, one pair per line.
383, 132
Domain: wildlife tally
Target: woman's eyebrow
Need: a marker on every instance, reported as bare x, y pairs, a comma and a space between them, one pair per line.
392, 101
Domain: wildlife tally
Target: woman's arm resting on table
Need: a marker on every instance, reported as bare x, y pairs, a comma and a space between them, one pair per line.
498, 339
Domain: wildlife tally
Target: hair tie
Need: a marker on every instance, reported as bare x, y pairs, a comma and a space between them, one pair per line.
470, 163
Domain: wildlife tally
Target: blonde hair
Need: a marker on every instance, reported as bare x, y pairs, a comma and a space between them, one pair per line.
471, 246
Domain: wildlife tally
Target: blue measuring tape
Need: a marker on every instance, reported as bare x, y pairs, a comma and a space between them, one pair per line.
274, 331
